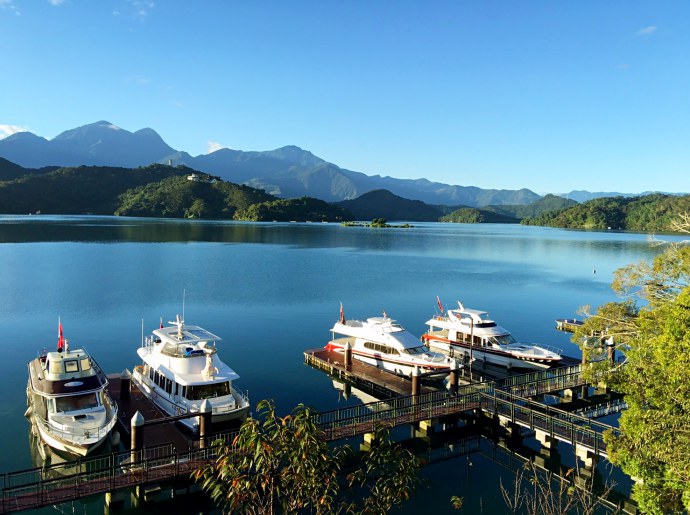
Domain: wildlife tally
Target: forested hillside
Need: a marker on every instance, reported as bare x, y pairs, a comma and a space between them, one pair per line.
648, 213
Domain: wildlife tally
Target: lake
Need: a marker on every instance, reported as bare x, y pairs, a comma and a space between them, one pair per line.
273, 290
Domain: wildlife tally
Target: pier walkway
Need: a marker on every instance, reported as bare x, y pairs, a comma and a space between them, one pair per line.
502, 399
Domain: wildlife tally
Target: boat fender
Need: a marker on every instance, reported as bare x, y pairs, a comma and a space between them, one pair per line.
29, 411
115, 439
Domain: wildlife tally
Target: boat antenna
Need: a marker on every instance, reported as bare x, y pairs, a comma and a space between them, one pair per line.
184, 293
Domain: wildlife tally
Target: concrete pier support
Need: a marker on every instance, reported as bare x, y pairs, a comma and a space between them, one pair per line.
114, 501
546, 440
570, 394
587, 457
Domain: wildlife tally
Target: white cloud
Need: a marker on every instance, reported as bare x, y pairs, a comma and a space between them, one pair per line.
647, 31
8, 130
55, 3
213, 146
8, 5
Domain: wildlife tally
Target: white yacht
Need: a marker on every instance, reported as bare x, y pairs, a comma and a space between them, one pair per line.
383, 343
452, 333
68, 405
181, 368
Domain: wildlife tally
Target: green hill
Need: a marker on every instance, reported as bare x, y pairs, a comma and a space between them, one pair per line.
156, 190
384, 204
471, 215
545, 204
647, 213
177, 197
305, 209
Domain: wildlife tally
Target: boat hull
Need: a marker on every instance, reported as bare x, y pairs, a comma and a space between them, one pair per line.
459, 350
393, 366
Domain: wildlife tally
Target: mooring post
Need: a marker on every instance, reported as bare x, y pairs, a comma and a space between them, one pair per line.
454, 377
125, 384
348, 355
205, 423
415, 381
137, 438
584, 392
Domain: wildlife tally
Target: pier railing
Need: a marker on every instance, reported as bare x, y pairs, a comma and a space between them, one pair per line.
543, 381
53, 484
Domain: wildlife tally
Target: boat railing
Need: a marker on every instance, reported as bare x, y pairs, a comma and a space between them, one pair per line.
77, 434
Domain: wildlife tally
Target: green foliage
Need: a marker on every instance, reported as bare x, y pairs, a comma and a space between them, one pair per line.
471, 215
654, 212
178, 197
284, 465
654, 445
82, 190
299, 209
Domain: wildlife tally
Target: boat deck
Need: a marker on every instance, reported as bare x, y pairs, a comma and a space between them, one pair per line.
154, 434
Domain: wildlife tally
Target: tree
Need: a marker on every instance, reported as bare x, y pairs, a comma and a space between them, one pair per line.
654, 444
284, 465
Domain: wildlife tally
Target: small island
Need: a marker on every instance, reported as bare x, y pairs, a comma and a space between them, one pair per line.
378, 223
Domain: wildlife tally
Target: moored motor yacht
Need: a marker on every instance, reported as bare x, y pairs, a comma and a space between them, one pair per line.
384, 343
466, 333
181, 368
68, 405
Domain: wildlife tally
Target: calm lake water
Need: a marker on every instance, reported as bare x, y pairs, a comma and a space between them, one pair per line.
273, 290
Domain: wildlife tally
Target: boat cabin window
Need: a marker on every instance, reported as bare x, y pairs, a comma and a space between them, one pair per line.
85, 364
76, 402
55, 367
416, 350
379, 347
204, 391
504, 339
168, 385
71, 365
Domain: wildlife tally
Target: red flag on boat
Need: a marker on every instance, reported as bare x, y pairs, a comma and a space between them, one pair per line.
61, 340
342, 314
438, 301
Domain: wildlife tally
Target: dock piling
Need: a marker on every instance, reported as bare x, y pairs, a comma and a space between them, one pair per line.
125, 384
415, 381
137, 437
205, 422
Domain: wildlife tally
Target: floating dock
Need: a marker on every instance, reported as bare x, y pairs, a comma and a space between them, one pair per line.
568, 324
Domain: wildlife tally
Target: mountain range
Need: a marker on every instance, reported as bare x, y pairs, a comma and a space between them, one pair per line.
285, 172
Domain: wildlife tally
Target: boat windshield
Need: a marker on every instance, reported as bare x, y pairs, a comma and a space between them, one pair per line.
504, 339
204, 391
76, 402
416, 350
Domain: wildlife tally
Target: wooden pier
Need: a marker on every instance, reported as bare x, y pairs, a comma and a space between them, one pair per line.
154, 434
361, 374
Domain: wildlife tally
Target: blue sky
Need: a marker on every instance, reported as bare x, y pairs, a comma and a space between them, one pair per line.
547, 95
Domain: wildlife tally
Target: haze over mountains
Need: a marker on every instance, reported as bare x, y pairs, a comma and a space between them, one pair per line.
285, 172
